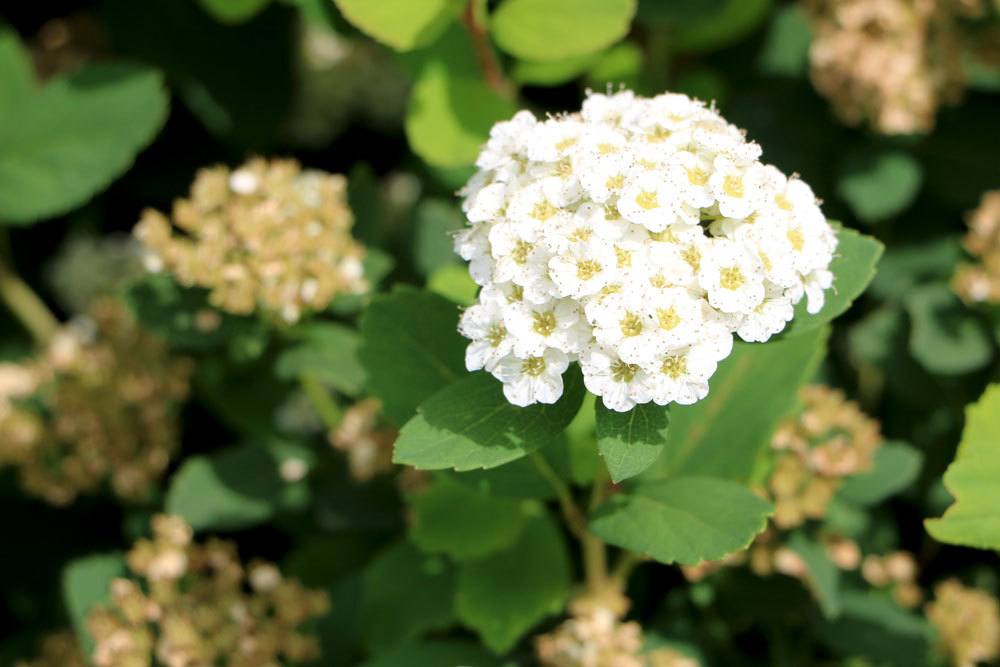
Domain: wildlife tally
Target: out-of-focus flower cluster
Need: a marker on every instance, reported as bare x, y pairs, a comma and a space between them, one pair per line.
830, 439
67, 43
890, 63
634, 237
189, 604
268, 234
896, 571
59, 649
967, 622
88, 268
980, 282
365, 439
596, 636
99, 404
343, 79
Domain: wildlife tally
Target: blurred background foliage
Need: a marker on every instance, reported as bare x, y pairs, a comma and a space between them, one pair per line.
893, 119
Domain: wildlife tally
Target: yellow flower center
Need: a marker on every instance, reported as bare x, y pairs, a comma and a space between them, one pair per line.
692, 257
631, 325
564, 168
782, 201
496, 334
796, 239
587, 269
659, 281
521, 251
731, 278
569, 142
606, 149
674, 366
622, 372
624, 257
545, 323
697, 176
543, 210
733, 186
615, 182
668, 318
647, 200
611, 212
533, 366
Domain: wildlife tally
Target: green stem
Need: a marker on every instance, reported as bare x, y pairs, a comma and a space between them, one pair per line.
487, 57
627, 562
571, 513
328, 410
595, 553
29, 309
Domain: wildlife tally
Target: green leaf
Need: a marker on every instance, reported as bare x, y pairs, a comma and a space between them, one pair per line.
436, 652
17, 78
235, 488
718, 29
853, 268
974, 519
463, 522
723, 434
62, 145
327, 352
406, 593
682, 520
786, 48
879, 185
621, 64
411, 348
552, 72
505, 594
233, 11
544, 30
895, 466
872, 625
945, 336
435, 222
86, 582
402, 24
471, 425
454, 283
451, 108
631, 441
822, 575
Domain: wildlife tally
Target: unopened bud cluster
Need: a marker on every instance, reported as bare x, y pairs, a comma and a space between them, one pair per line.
896, 571
634, 237
979, 282
830, 439
59, 649
596, 636
100, 404
890, 63
268, 235
967, 621
196, 604
365, 440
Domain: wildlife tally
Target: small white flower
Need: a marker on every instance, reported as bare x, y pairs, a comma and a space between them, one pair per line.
732, 277
681, 375
531, 380
738, 190
767, 319
484, 325
619, 384
534, 327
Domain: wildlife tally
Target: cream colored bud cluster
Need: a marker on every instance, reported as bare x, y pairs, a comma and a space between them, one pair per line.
890, 63
829, 440
365, 439
596, 636
188, 604
979, 282
267, 235
100, 404
896, 571
59, 649
634, 238
967, 622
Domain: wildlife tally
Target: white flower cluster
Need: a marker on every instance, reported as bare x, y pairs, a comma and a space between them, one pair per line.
633, 237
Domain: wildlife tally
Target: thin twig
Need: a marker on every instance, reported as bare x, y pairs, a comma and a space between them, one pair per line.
571, 513
325, 406
487, 57
27, 306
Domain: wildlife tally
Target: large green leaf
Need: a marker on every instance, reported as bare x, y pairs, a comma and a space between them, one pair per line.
68, 141
717, 29
237, 487
974, 519
503, 595
17, 80
874, 626
631, 441
753, 389
894, 467
402, 24
879, 185
411, 348
945, 336
544, 30
451, 108
853, 268
463, 522
682, 520
436, 652
435, 221
86, 582
470, 424
327, 352
233, 11
407, 593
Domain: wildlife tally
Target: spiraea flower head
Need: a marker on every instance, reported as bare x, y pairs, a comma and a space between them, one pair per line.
100, 404
979, 282
830, 439
634, 237
365, 440
186, 603
967, 622
267, 235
